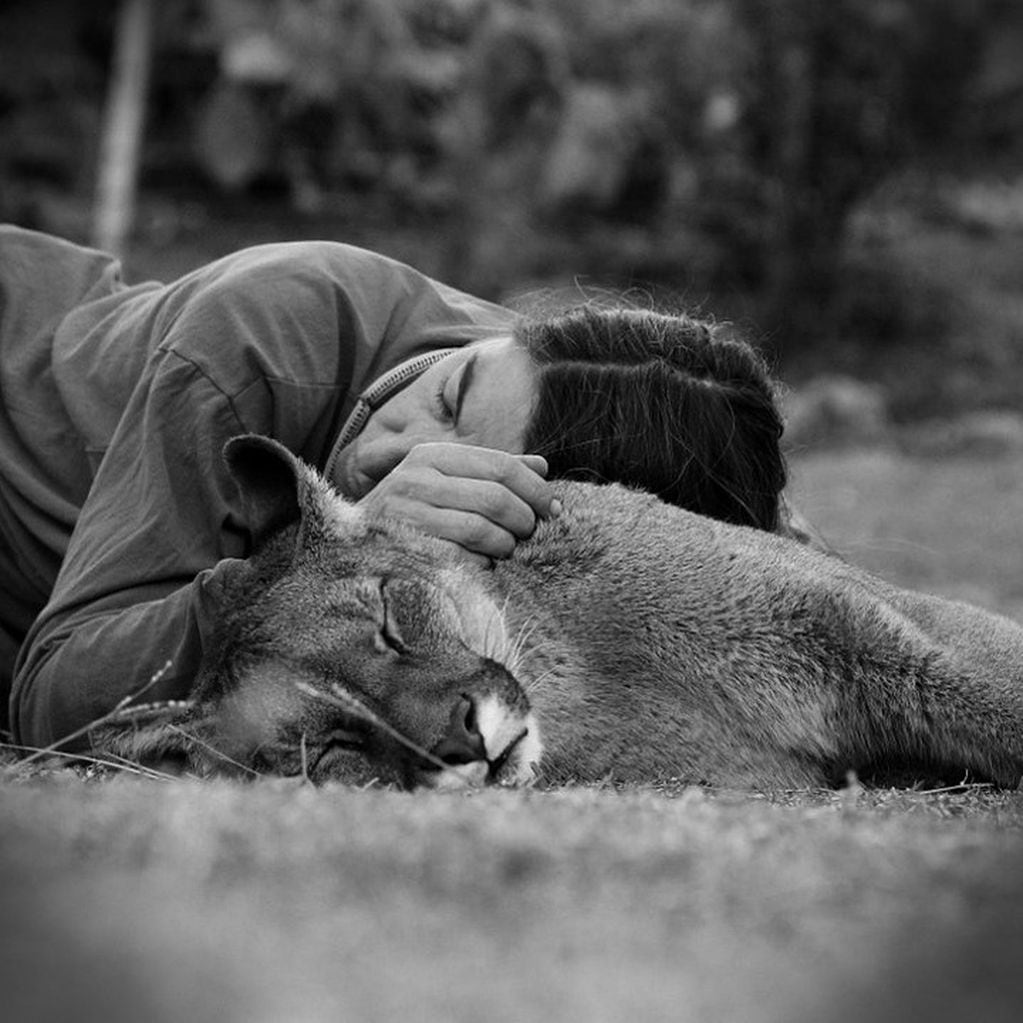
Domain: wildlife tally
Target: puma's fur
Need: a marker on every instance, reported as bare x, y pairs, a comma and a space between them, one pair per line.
626, 638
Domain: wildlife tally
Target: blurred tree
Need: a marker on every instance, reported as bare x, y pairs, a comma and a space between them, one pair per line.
495, 137
839, 96
704, 145
51, 80
123, 126
326, 93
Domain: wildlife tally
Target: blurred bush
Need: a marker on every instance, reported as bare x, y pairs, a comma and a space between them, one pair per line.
709, 147
51, 87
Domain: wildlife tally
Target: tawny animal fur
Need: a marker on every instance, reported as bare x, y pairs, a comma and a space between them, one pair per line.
631, 639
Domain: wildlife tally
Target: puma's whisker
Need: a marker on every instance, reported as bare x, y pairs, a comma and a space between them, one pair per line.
517, 647
538, 682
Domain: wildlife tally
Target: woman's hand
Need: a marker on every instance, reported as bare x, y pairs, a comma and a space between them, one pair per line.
482, 499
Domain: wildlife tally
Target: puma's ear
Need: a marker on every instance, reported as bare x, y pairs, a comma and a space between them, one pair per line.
277, 489
268, 478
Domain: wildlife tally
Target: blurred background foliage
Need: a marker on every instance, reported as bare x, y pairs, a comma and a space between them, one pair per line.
847, 175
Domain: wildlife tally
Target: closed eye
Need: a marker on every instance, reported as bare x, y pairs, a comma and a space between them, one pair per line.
448, 406
389, 635
442, 407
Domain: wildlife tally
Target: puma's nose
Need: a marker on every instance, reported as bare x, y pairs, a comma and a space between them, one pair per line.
462, 742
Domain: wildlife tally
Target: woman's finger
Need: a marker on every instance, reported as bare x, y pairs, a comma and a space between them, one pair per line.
418, 494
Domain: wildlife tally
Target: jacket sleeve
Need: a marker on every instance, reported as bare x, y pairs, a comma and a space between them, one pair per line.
139, 586
252, 344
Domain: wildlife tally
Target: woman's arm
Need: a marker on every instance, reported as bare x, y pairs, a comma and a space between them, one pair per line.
251, 344
140, 583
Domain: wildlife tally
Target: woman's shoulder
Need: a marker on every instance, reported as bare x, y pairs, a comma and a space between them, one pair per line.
313, 261
62, 273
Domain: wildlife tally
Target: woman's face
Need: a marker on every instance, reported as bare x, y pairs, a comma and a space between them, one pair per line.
482, 394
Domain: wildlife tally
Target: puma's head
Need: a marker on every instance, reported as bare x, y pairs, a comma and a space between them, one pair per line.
341, 634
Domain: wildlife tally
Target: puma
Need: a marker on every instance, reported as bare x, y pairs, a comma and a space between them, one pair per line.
627, 638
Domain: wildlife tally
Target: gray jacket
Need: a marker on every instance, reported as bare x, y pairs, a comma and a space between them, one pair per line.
118, 521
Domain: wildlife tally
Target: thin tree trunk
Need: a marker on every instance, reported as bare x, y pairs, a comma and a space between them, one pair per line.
123, 126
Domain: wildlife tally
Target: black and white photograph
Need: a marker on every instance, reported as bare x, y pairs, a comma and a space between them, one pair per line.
511, 511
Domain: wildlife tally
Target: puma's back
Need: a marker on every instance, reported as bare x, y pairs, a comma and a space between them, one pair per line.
627, 638
669, 643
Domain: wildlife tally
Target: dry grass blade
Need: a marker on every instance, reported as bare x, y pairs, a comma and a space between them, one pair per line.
962, 787
213, 751
353, 705
110, 760
54, 750
158, 708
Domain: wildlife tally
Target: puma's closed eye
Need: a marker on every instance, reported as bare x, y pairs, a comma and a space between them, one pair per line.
389, 635
391, 639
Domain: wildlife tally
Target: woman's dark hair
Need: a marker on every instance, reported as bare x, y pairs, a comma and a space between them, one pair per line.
668, 403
